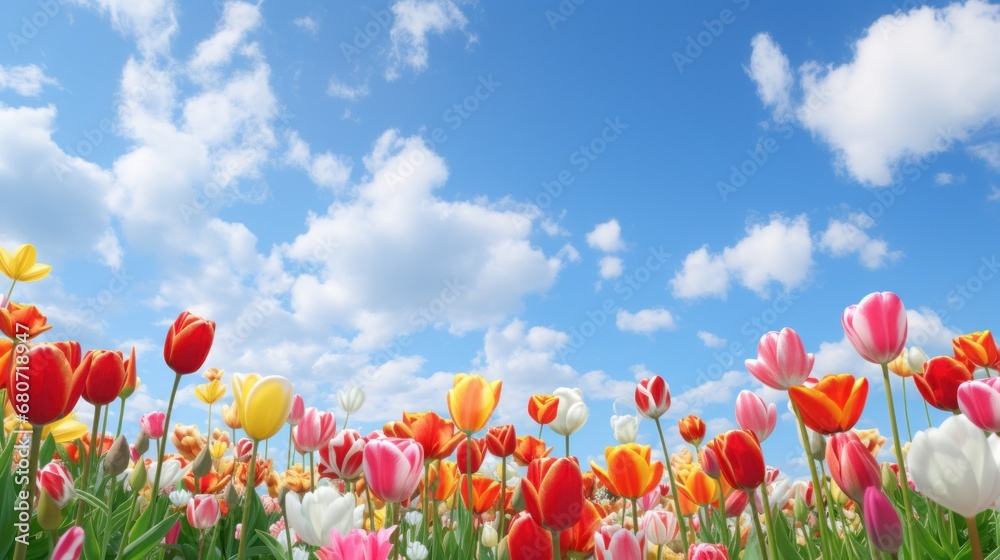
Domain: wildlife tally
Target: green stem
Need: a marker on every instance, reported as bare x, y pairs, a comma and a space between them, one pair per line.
371, 506
540, 427
6, 302
906, 412
555, 546
104, 430
908, 509
128, 523
772, 545
567, 445
817, 488
88, 458
289, 464
829, 503
673, 489
163, 442
312, 470
927, 411
756, 525
347, 419
208, 432
635, 516
247, 489
121, 416
977, 547
503, 494
722, 510
425, 499
21, 548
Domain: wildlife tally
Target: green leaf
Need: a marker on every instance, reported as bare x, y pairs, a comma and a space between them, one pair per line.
142, 546
272, 543
928, 544
93, 501
47, 451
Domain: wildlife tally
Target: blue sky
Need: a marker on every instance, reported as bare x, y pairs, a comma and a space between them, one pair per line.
555, 194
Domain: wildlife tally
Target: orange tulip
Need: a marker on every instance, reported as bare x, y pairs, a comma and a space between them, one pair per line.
692, 429
435, 434
444, 480
631, 473
703, 489
580, 537
528, 449
977, 348
689, 506
131, 381
472, 401
832, 405
485, 493
22, 322
543, 408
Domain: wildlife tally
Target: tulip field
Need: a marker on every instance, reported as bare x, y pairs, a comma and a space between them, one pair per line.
418, 489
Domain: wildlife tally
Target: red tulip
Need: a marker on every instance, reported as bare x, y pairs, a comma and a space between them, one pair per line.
43, 385
393, 467
741, 459
940, 381
478, 448
979, 401
877, 327
652, 397
57, 481
315, 430
501, 440
188, 342
527, 540
131, 380
104, 371
343, 457
203, 511
692, 429
852, 466
553, 493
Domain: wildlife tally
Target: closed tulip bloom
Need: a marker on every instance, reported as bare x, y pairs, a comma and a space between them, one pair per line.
343, 456
553, 493
188, 342
444, 480
351, 400
501, 440
231, 416
22, 265
527, 540
832, 405
153, 423
621, 544
708, 551
659, 526
753, 414
916, 358
631, 472
741, 460
57, 481
264, 403
979, 401
211, 392
692, 429
956, 465
877, 327
701, 488
528, 449
317, 513
393, 467
70, 545
485, 493
46, 388
572, 412
782, 361
315, 430
736, 503
940, 382
882, 521
543, 408
358, 545
435, 434
852, 466
298, 410
901, 364
709, 461
626, 427
104, 371
472, 400
978, 348
652, 397
203, 511
131, 379
478, 452
22, 322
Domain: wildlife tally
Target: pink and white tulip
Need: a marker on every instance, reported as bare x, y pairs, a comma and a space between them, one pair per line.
877, 327
393, 467
707, 551
755, 415
70, 545
298, 410
203, 511
315, 430
852, 466
782, 360
659, 526
979, 401
56, 480
358, 545
615, 543
153, 423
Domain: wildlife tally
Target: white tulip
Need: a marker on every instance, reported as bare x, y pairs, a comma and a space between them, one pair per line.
626, 428
957, 466
416, 551
171, 473
915, 358
413, 518
490, 536
180, 498
319, 512
351, 399
571, 413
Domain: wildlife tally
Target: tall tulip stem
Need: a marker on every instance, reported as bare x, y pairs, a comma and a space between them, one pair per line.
247, 489
905, 484
756, 525
772, 545
21, 549
567, 445
635, 516
906, 413
673, 488
555, 546
121, 417
163, 442
503, 494
817, 488
88, 458
468, 475
977, 547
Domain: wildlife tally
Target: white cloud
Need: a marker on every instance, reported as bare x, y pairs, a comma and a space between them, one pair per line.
413, 21
712, 340
606, 237
151, 23
989, 152
308, 24
994, 194
934, 73
238, 20
779, 251
340, 90
945, 178
770, 70
645, 321
26, 80
847, 237
326, 169
610, 267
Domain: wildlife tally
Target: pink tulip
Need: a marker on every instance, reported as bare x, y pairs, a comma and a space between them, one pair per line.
57, 481
755, 415
615, 543
852, 466
243, 449
342, 457
882, 521
70, 545
203, 511
393, 467
358, 545
298, 409
315, 430
706, 551
736, 503
877, 327
659, 526
979, 401
173, 533
651, 499
153, 424
709, 462
652, 397
782, 361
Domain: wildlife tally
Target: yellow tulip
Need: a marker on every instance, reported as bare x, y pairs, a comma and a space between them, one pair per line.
263, 403
218, 449
472, 401
214, 374
21, 266
210, 393
231, 416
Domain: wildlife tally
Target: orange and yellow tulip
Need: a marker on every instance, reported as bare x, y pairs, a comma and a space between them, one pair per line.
692, 429
443, 479
472, 400
485, 492
832, 405
977, 348
22, 321
543, 408
631, 473
435, 434
702, 489
528, 449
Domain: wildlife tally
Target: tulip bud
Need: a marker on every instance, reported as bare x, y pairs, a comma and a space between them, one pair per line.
188, 343
502, 552
916, 357
203, 511
882, 521
817, 444
298, 410
202, 464
800, 510
517, 500
56, 480
138, 479
117, 458
838, 495
218, 449
490, 536
49, 513
231, 495
626, 428
890, 482
70, 545
179, 498
709, 462
142, 443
